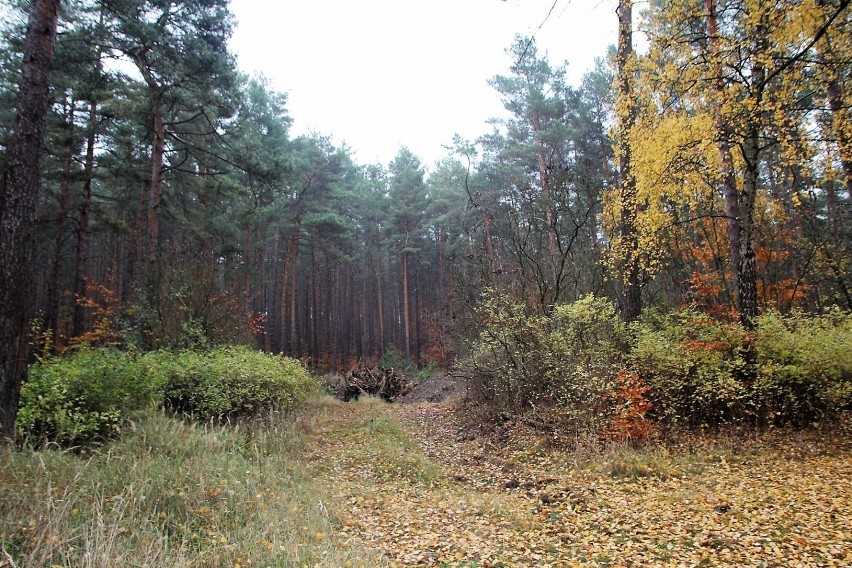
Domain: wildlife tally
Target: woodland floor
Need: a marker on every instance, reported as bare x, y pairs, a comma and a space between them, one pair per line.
419, 484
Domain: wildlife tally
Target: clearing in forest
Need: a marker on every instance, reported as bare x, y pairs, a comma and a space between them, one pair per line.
420, 486
371, 484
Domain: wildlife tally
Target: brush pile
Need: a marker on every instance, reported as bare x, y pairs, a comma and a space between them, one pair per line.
387, 383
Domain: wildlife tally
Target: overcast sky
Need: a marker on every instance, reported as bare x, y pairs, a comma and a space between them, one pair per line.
378, 74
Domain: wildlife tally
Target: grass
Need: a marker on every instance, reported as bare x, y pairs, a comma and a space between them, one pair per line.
175, 494
371, 484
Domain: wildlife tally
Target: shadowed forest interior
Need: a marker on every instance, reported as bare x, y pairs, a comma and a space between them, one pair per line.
176, 208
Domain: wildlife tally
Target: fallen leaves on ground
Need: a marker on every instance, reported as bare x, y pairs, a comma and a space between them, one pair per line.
414, 484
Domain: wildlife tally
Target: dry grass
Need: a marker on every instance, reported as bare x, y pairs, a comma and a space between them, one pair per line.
175, 494
370, 484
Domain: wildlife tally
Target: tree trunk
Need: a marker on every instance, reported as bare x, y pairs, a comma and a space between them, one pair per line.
626, 116
380, 306
746, 267
58, 219
550, 217
292, 259
835, 102
156, 191
83, 224
729, 181
313, 287
406, 313
18, 198
288, 292
834, 98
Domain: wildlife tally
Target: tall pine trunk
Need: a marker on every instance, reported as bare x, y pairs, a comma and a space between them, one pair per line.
156, 190
626, 116
83, 223
59, 218
406, 310
18, 198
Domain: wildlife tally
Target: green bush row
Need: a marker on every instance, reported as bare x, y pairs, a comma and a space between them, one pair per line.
700, 371
87, 395
792, 369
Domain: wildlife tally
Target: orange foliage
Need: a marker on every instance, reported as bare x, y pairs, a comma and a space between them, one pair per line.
785, 294
630, 422
105, 305
436, 347
765, 255
256, 323
708, 295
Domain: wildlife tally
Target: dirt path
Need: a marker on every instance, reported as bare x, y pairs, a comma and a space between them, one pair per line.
418, 485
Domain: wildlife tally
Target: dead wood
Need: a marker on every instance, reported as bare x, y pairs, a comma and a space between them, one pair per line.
386, 383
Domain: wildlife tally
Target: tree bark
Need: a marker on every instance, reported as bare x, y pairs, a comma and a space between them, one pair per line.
58, 218
746, 267
83, 224
156, 191
20, 189
550, 216
380, 305
406, 313
834, 98
292, 260
729, 181
626, 115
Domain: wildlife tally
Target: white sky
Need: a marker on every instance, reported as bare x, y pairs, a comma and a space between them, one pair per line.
378, 74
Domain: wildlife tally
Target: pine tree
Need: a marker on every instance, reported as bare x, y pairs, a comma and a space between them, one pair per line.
18, 198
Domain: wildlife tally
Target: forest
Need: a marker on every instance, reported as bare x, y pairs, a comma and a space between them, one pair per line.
659, 250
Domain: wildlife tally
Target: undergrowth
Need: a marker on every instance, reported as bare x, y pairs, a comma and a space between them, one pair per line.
87, 397
174, 493
594, 373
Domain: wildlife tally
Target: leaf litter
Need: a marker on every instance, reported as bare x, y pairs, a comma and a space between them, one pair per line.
418, 484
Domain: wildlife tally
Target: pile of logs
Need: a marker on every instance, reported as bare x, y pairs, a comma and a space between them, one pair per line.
386, 383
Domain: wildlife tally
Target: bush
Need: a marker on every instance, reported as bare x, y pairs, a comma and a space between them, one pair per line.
692, 364
83, 397
229, 382
567, 359
86, 396
591, 342
507, 357
804, 365
685, 368
697, 368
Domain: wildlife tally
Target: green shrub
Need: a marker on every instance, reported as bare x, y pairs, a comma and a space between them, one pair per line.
698, 373
804, 365
698, 370
230, 381
506, 358
83, 397
567, 359
693, 365
86, 396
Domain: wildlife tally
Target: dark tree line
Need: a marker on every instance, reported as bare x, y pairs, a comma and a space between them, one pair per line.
177, 210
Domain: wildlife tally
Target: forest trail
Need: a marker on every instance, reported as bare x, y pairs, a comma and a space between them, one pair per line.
425, 489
